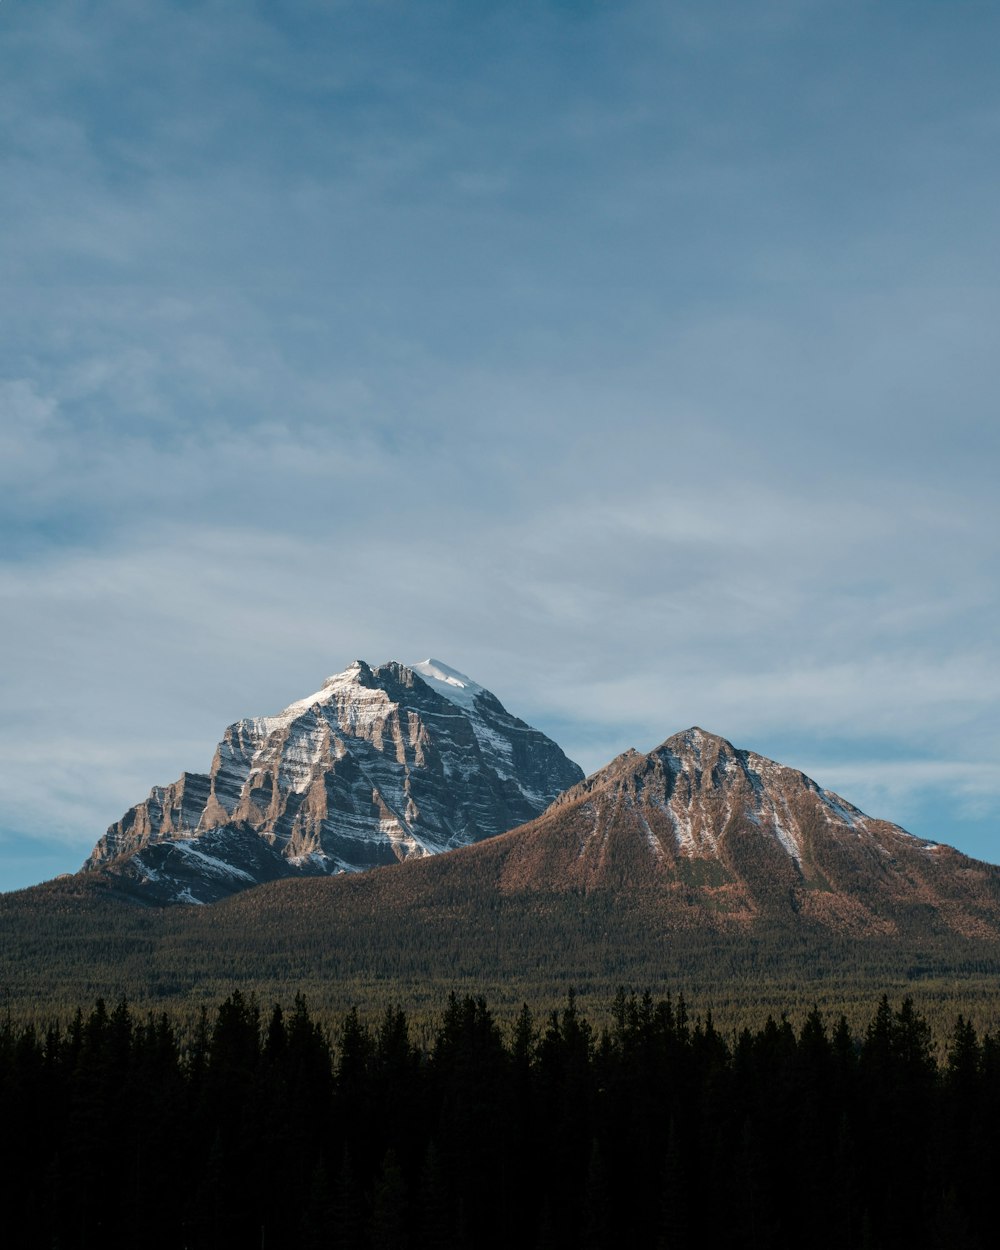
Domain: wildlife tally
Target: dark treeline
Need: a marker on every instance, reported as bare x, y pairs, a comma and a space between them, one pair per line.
655, 1132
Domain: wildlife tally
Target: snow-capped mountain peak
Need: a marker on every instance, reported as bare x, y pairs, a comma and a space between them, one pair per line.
377, 765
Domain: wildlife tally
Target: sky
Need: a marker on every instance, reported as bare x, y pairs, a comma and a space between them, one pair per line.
637, 359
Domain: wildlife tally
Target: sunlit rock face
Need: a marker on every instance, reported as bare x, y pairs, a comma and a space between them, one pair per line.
379, 765
715, 837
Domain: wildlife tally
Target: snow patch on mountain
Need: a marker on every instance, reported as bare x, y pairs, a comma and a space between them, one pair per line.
448, 681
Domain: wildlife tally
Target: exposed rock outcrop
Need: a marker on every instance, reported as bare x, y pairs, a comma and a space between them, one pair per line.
379, 765
713, 836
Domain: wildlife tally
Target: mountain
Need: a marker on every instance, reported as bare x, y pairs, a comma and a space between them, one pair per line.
379, 765
696, 865
721, 838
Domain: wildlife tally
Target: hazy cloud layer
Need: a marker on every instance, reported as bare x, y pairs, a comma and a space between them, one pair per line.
641, 363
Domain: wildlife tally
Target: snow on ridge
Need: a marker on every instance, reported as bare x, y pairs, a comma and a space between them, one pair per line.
495, 744
683, 827
456, 687
652, 841
186, 896
786, 838
211, 863
448, 681
847, 812
335, 684
462, 692
369, 703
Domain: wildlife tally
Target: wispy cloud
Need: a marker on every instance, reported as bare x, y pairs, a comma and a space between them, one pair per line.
636, 360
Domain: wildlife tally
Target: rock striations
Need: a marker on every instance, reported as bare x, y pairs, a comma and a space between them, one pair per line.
706, 835
381, 764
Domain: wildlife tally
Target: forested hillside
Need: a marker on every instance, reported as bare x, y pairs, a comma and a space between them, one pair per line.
410, 935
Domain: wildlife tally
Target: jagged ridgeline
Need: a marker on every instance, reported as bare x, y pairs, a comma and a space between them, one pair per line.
379, 765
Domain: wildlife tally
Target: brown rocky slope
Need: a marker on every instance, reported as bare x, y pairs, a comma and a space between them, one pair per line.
710, 836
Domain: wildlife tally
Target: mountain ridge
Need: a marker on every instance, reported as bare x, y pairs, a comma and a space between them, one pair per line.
378, 765
726, 838
667, 867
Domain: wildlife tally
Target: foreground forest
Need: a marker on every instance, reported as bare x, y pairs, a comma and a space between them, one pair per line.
260, 1129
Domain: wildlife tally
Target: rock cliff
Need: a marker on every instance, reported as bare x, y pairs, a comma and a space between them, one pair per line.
379, 765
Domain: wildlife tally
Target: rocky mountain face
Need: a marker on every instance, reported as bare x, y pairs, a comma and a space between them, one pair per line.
705, 835
381, 764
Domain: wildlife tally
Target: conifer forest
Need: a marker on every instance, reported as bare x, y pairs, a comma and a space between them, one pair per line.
260, 1127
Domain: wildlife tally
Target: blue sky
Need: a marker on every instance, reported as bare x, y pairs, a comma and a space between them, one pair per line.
637, 359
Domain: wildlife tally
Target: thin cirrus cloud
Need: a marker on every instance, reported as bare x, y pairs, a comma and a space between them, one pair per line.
638, 361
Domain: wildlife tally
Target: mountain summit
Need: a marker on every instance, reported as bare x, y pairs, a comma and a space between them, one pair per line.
708, 835
380, 764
